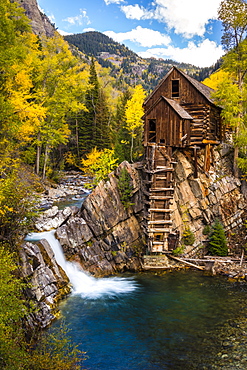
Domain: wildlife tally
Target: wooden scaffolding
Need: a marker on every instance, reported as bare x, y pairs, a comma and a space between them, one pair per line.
159, 194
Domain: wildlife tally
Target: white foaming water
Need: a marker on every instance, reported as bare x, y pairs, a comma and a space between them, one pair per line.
84, 284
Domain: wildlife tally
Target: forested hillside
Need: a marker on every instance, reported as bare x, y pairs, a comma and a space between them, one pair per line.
126, 66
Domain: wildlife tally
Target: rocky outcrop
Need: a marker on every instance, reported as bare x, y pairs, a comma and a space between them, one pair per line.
214, 194
48, 283
106, 237
40, 23
53, 218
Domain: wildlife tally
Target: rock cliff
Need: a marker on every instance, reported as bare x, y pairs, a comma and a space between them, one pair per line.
40, 23
213, 194
48, 283
105, 237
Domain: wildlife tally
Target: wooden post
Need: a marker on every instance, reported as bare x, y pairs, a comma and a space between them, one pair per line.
242, 257
195, 157
207, 158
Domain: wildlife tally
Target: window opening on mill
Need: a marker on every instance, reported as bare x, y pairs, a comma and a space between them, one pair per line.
152, 131
175, 88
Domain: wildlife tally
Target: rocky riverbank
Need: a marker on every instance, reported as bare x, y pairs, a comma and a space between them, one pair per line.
70, 189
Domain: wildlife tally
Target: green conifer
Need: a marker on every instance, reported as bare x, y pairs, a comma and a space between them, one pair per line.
217, 240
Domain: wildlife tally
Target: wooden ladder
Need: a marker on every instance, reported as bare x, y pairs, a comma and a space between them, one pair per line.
159, 193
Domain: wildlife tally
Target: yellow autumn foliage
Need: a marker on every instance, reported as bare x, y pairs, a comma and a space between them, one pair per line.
215, 79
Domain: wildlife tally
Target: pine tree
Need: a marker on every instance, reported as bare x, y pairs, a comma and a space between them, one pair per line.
121, 136
88, 120
217, 240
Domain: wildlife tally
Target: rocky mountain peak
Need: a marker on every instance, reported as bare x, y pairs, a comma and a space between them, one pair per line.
40, 23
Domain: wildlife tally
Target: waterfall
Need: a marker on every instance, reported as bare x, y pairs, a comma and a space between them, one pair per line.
84, 284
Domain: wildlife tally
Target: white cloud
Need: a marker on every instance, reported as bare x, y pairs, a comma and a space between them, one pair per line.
64, 33
143, 36
88, 29
202, 55
80, 19
136, 12
188, 18
113, 1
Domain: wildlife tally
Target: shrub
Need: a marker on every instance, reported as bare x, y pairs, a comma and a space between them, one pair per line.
188, 237
217, 240
178, 250
99, 164
125, 188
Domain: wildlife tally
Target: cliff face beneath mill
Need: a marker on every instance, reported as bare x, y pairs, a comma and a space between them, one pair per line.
213, 194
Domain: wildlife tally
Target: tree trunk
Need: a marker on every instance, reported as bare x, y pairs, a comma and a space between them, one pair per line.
77, 138
131, 148
45, 161
38, 153
235, 162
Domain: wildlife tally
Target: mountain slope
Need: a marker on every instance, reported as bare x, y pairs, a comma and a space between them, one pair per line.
126, 65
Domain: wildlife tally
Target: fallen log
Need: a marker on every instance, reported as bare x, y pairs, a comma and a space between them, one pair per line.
187, 263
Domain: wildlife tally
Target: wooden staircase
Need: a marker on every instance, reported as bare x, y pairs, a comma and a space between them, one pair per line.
159, 194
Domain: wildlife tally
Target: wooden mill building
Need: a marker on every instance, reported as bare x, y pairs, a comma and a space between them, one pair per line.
179, 113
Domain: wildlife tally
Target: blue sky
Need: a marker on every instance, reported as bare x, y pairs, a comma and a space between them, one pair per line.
182, 30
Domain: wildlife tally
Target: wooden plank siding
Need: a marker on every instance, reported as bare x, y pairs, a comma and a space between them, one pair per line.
170, 127
168, 112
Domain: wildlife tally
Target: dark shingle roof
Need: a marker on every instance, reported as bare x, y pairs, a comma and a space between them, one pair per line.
178, 109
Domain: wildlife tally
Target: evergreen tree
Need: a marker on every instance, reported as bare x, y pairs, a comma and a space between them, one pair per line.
102, 127
88, 119
217, 240
121, 136
93, 124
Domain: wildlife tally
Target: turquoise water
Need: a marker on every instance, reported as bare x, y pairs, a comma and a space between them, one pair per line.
179, 320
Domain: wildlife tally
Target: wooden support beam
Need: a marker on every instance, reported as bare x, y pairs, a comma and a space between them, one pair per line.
160, 230
159, 222
165, 210
160, 197
161, 189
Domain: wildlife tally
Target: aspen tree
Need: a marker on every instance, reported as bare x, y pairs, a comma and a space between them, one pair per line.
233, 15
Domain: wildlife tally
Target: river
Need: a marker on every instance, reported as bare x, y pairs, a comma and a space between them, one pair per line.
179, 320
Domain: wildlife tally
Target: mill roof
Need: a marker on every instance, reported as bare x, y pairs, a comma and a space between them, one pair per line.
203, 89
176, 107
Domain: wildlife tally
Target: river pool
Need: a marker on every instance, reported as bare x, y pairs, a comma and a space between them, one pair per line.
179, 320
